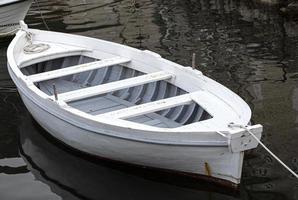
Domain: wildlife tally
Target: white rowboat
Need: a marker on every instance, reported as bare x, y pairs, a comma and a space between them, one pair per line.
124, 104
11, 12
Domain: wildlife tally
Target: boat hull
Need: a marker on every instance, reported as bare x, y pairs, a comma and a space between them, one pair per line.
196, 148
42, 154
195, 160
10, 15
213, 162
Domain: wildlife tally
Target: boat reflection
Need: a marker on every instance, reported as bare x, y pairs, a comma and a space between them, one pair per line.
73, 175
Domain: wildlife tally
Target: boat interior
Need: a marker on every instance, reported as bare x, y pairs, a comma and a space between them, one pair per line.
107, 86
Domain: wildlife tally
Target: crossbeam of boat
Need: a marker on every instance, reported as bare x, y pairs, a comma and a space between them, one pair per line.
77, 69
114, 86
149, 107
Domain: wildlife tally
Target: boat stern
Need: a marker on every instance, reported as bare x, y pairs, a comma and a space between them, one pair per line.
242, 138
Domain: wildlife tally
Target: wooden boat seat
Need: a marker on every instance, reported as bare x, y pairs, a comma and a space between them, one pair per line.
150, 107
105, 104
77, 69
113, 86
143, 95
108, 103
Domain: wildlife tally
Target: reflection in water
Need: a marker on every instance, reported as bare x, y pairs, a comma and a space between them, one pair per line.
249, 47
72, 175
10, 105
16, 181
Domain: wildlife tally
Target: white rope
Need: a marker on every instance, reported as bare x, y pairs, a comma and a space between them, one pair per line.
34, 48
222, 134
263, 145
41, 15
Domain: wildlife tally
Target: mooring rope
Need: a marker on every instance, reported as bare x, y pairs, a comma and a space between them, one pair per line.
33, 48
36, 48
16, 24
264, 146
222, 134
41, 15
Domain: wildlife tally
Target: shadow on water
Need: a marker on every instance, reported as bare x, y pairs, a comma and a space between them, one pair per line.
251, 48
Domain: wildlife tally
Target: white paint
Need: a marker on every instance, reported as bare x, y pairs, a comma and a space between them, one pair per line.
185, 148
149, 107
77, 69
113, 86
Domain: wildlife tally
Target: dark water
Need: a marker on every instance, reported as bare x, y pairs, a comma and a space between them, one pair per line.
249, 47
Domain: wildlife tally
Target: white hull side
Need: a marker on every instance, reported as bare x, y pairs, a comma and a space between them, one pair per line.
10, 16
189, 159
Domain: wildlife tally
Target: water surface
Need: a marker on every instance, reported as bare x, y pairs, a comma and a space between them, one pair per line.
249, 47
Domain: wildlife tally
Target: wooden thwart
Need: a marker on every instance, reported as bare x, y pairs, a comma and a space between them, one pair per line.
149, 107
77, 69
114, 86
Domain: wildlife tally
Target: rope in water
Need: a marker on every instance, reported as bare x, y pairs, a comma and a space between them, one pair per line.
41, 15
16, 24
266, 148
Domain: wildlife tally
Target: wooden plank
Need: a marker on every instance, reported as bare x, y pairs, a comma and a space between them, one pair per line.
141, 119
77, 69
94, 104
187, 115
109, 109
61, 85
167, 121
113, 86
149, 107
150, 115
